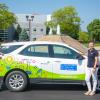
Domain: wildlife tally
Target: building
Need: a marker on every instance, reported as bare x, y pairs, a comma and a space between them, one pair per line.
7, 34
34, 24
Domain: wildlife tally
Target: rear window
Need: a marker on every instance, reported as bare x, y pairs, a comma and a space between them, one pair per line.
9, 48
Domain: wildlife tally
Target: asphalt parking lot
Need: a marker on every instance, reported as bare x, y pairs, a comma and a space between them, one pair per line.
49, 92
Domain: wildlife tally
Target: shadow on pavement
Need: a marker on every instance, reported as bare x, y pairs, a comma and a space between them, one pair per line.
56, 87
52, 87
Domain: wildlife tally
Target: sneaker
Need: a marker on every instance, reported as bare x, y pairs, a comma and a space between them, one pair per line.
87, 93
92, 93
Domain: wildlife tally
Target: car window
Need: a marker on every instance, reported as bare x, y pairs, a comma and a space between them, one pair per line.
36, 50
9, 48
64, 52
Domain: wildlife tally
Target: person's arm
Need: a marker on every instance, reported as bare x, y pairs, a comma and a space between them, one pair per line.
96, 62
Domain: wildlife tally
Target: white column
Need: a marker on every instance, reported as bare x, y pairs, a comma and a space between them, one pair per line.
58, 29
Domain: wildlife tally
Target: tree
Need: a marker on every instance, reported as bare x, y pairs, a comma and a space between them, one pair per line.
23, 36
47, 30
94, 30
7, 18
17, 32
83, 37
68, 20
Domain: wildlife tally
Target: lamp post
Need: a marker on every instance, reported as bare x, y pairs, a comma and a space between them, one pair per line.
30, 19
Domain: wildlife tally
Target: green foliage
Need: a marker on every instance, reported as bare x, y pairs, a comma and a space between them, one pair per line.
7, 18
97, 44
23, 36
19, 29
94, 30
83, 37
17, 32
47, 30
68, 20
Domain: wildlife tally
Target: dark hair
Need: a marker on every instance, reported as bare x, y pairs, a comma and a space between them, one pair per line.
91, 42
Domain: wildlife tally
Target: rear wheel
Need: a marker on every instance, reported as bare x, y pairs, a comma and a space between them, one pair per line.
98, 83
16, 81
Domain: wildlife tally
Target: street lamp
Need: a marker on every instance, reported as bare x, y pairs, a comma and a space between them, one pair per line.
30, 19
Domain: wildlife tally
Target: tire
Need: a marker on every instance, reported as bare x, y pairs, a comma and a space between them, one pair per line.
98, 84
16, 81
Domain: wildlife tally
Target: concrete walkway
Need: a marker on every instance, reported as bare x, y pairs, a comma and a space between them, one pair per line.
98, 48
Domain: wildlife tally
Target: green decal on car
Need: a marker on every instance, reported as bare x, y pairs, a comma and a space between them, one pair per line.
34, 71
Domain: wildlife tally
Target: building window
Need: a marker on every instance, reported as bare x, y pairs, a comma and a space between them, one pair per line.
34, 29
3, 35
41, 30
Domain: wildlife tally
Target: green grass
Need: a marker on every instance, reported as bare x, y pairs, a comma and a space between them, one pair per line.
96, 44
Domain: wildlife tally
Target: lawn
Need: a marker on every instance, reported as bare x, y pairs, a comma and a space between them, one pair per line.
96, 44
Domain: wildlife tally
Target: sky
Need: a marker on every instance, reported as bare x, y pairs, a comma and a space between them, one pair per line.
87, 9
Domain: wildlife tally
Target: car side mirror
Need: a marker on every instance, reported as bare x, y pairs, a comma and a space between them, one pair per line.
80, 57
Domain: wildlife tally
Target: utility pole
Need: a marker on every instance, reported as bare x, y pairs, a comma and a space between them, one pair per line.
30, 19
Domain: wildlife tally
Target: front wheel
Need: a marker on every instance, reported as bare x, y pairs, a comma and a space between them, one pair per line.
16, 81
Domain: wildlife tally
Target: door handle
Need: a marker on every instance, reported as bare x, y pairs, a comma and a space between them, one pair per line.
57, 61
44, 63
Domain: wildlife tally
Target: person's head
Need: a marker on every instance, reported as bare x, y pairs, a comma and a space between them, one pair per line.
91, 45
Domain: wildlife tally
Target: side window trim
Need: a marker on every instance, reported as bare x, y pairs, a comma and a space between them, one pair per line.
51, 52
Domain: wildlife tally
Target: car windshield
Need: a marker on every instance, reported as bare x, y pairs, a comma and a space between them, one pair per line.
9, 48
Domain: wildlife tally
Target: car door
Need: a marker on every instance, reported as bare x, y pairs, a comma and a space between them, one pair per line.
37, 59
66, 63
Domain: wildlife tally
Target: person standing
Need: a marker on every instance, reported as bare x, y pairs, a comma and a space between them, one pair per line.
91, 69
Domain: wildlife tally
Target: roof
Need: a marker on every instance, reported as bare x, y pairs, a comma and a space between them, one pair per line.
64, 39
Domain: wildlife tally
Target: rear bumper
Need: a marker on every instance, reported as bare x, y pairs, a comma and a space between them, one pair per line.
1, 82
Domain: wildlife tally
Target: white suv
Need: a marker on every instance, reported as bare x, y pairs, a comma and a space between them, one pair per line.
42, 62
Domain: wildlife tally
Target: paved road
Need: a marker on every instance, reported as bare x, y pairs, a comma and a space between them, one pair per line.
49, 92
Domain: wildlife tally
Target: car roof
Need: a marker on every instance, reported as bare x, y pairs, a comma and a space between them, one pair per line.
31, 42
36, 42
14, 43
25, 44
47, 42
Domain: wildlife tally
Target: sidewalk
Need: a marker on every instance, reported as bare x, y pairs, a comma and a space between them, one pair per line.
98, 48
